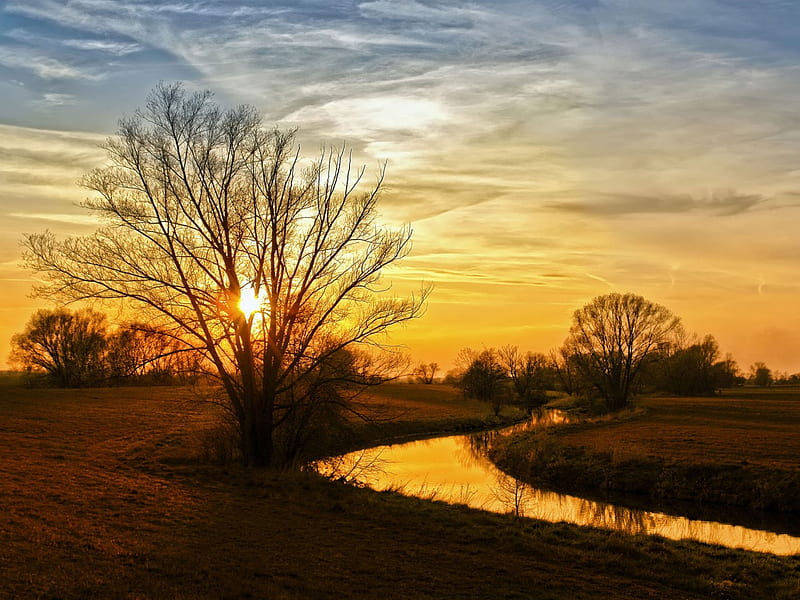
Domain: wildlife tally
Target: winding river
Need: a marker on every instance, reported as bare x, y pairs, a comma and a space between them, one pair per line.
455, 469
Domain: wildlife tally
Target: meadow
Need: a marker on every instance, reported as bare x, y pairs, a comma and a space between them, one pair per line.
736, 449
104, 495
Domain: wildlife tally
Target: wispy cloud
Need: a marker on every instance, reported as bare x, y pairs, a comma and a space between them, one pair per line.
27, 147
43, 66
40, 169
51, 100
721, 202
105, 46
413, 11
72, 219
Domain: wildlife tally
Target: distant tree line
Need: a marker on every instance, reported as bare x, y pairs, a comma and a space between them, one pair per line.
618, 345
81, 348
761, 375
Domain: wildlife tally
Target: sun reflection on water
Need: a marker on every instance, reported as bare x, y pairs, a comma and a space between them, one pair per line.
455, 469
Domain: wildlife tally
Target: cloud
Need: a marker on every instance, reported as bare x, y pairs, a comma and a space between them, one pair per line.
71, 219
373, 117
40, 169
32, 148
721, 202
44, 67
52, 100
410, 10
110, 47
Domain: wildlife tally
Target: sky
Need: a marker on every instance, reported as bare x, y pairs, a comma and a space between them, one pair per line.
544, 152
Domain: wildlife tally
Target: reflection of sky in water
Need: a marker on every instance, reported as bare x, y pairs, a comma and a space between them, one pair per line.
449, 469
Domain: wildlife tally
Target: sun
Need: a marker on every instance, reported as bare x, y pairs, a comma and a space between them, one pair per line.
249, 301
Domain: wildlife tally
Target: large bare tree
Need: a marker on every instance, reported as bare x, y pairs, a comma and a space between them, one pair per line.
267, 263
611, 337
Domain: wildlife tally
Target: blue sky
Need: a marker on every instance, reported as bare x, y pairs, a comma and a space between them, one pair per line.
545, 152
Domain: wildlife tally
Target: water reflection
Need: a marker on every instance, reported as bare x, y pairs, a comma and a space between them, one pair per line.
455, 469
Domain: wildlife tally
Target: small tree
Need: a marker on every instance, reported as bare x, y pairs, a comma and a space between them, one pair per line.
726, 372
484, 378
137, 352
612, 336
67, 345
530, 375
760, 374
565, 367
426, 372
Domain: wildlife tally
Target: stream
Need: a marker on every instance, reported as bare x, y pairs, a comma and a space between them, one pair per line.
455, 469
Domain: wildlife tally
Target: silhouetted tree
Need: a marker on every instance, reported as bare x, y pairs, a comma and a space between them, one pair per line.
760, 374
138, 353
67, 345
426, 372
692, 371
785, 378
266, 264
567, 373
530, 375
727, 372
612, 336
484, 378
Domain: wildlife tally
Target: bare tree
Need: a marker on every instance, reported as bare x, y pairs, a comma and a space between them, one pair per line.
528, 373
612, 336
565, 366
267, 264
426, 372
67, 345
138, 352
512, 494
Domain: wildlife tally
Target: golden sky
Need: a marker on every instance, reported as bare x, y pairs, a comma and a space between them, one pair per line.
544, 152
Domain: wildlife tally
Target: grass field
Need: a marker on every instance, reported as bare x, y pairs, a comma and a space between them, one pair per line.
403, 402
740, 448
103, 497
401, 411
724, 430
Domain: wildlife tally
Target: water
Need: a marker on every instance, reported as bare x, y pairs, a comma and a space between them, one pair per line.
455, 469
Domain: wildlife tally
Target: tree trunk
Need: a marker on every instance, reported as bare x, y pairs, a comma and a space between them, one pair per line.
256, 444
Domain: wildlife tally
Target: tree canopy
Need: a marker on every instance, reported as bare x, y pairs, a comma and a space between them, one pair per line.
484, 377
267, 264
68, 346
611, 337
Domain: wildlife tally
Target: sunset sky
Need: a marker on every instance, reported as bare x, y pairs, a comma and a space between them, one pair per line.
545, 152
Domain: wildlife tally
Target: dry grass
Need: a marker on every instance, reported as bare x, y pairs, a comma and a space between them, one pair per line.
413, 401
735, 450
101, 498
398, 412
724, 430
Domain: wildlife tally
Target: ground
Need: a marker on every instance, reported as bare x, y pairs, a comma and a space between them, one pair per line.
738, 449
745, 424
103, 496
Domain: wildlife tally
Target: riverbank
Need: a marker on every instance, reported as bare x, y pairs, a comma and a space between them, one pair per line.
733, 450
102, 499
397, 412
